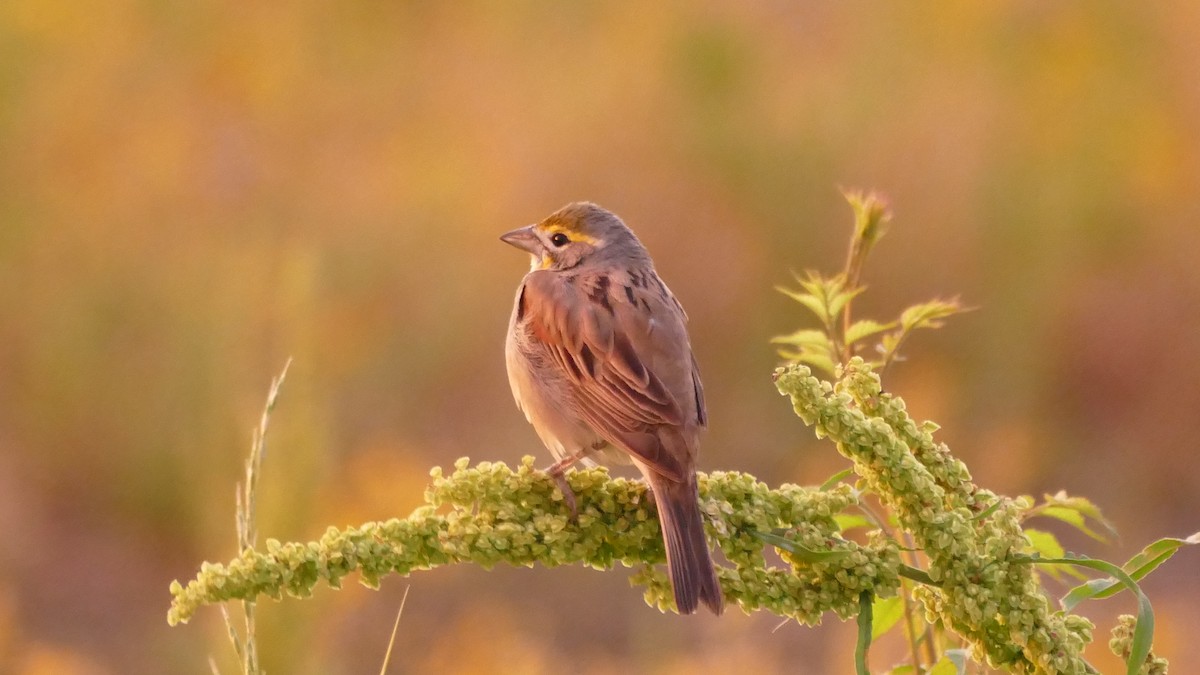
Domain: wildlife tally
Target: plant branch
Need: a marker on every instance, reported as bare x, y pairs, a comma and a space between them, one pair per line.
490, 514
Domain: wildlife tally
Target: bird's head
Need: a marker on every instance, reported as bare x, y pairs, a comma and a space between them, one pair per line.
578, 233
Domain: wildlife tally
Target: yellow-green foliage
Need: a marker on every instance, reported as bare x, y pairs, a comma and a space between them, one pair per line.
985, 589
491, 514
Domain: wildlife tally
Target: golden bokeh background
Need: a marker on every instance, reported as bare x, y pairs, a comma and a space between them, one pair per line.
190, 193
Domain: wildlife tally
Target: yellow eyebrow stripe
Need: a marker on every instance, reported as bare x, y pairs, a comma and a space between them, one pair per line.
575, 235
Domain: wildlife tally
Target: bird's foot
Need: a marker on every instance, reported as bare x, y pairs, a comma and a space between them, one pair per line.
568, 494
558, 470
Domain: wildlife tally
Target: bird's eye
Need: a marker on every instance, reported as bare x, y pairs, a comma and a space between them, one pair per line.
559, 239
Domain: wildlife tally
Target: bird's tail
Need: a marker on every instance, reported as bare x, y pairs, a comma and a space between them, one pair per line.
688, 561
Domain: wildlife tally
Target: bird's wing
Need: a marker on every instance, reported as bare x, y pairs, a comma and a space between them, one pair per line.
698, 392
594, 340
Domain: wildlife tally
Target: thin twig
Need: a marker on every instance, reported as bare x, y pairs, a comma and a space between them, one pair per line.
247, 530
854, 264
395, 627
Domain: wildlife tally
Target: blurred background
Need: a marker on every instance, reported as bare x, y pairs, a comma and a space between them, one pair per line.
191, 193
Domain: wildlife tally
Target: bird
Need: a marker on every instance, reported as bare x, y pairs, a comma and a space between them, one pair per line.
600, 362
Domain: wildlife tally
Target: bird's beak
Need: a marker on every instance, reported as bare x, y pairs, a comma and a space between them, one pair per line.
524, 239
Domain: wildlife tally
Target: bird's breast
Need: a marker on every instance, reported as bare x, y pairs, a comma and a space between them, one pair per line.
543, 393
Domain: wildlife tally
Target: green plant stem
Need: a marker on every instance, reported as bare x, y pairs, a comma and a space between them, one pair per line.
910, 629
853, 271
928, 634
918, 575
863, 645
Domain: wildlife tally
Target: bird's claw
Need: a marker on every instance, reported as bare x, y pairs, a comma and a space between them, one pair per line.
568, 494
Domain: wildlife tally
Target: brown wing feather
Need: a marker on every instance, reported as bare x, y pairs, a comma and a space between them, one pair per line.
617, 394
698, 392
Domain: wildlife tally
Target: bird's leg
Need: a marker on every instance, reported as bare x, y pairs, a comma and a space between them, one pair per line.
559, 468
556, 472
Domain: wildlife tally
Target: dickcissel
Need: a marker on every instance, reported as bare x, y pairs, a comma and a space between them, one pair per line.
600, 363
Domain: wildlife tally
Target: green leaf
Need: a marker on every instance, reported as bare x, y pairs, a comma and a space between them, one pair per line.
1149, 558
1073, 518
865, 631
836, 478
871, 216
960, 658
989, 510
1087, 590
838, 301
929, 314
945, 666
818, 285
809, 337
886, 613
1078, 512
825, 297
889, 348
1046, 545
865, 328
821, 361
925, 315
821, 295
798, 551
1137, 567
815, 304
850, 521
